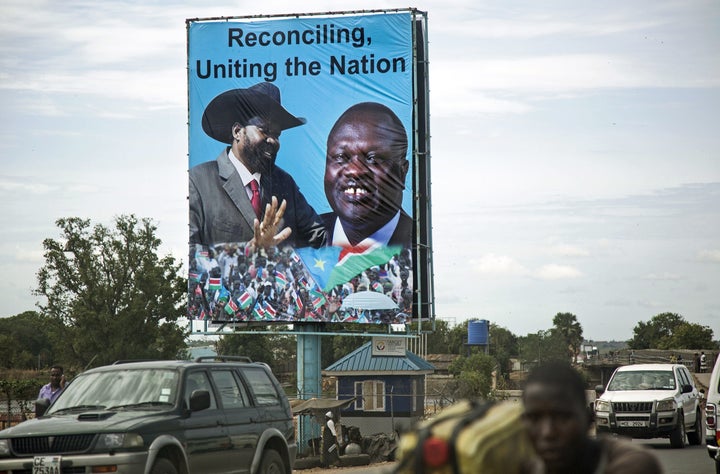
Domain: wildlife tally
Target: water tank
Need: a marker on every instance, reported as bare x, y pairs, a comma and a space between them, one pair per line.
478, 332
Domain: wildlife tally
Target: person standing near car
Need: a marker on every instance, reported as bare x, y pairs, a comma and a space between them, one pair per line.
53, 389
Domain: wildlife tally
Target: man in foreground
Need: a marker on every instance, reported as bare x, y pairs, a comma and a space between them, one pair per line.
557, 421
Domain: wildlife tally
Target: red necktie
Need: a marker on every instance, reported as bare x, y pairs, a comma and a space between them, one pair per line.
255, 200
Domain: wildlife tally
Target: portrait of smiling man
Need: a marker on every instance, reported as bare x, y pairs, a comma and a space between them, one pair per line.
365, 172
242, 196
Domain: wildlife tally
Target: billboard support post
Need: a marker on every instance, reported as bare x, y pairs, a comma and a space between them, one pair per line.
308, 378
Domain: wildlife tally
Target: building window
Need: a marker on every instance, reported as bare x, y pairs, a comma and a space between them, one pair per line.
414, 395
370, 395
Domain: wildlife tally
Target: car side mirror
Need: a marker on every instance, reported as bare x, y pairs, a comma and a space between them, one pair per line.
687, 388
599, 389
41, 406
199, 400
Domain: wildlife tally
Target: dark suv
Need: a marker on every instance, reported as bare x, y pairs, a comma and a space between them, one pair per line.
211, 415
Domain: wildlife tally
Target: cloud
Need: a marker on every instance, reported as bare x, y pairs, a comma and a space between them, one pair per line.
711, 256
30, 256
666, 276
557, 272
564, 250
501, 265
497, 265
14, 185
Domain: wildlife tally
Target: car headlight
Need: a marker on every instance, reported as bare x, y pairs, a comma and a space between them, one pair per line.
602, 405
118, 440
4, 447
666, 405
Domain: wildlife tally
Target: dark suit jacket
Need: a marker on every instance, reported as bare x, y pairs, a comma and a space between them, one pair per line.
401, 236
220, 210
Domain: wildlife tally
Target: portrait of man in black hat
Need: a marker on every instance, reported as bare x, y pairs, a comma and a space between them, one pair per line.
365, 170
242, 196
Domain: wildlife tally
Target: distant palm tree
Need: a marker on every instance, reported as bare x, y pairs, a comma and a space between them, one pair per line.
571, 332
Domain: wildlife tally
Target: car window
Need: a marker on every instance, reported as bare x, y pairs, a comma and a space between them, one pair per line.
261, 386
684, 380
643, 380
232, 395
199, 381
146, 389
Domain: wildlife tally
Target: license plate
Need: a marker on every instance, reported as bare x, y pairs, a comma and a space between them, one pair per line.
46, 465
632, 424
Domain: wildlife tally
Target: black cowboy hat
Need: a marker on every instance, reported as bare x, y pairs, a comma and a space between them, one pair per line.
240, 105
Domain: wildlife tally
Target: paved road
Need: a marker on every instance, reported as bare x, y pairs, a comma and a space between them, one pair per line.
692, 459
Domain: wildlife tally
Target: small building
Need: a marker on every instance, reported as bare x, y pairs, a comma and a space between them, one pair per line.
387, 382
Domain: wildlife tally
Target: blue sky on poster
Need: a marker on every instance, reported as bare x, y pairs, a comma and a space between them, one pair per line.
574, 144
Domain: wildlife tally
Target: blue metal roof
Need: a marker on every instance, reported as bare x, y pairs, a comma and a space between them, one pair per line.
362, 360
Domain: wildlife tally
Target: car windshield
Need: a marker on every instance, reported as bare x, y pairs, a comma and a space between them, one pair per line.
643, 380
122, 389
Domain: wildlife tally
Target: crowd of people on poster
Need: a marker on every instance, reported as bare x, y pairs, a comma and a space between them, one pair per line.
282, 237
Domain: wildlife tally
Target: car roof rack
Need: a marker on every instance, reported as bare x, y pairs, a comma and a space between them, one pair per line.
224, 358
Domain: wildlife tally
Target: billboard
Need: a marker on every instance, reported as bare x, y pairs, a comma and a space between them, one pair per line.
303, 167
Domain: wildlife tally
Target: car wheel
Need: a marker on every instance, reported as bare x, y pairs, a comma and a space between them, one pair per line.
272, 463
163, 466
677, 436
695, 436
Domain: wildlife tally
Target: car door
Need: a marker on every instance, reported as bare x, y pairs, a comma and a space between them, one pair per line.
241, 418
689, 399
205, 431
268, 400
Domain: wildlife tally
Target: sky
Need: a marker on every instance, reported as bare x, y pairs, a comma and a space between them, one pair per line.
575, 147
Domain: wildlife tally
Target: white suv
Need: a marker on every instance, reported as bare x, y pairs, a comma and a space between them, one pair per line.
712, 410
650, 401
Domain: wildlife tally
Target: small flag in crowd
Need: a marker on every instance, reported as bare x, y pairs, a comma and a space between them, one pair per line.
297, 299
231, 307
194, 276
317, 299
245, 300
223, 294
258, 311
270, 312
376, 286
214, 284
280, 280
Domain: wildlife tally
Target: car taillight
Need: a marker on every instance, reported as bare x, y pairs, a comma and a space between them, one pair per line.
710, 415
436, 452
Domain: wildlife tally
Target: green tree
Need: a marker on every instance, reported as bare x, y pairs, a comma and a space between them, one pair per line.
670, 331
503, 346
16, 388
542, 346
110, 294
457, 338
472, 376
692, 336
569, 330
35, 331
276, 350
437, 337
